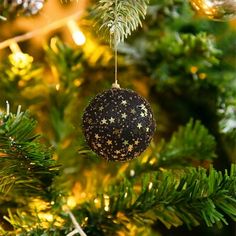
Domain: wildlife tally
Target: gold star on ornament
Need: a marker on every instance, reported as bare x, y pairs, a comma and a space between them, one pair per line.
99, 145
136, 142
112, 120
97, 136
126, 142
109, 142
133, 111
117, 131
124, 102
101, 108
130, 148
142, 106
104, 121
124, 115
147, 129
139, 126
117, 151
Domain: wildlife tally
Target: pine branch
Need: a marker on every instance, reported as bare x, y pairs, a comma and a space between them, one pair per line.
118, 18
19, 75
26, 163
66, 66
64, 59
188, 197
189, 143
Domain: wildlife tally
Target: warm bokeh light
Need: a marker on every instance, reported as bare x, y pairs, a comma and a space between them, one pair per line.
21, 63
76, 33
20, 60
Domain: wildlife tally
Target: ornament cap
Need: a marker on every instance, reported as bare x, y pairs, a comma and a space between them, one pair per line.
115, 85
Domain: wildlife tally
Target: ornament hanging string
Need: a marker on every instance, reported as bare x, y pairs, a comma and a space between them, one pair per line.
115, 85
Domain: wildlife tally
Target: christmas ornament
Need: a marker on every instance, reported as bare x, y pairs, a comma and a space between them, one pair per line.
215, 9
24, 7
118, 124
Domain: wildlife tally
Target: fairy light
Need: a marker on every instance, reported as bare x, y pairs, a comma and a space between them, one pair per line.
202, 76
71, 202
106, 202
57, 87
132, 173
76, 33
150, 185
20, 61
152, 161
45, 216
43, 30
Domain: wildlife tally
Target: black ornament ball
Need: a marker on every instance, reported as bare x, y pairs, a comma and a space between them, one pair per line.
118, 124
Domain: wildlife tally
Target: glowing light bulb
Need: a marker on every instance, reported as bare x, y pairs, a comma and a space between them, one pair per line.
220, 10
21, 62
76, 33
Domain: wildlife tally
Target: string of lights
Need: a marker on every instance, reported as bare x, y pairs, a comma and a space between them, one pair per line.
69, 21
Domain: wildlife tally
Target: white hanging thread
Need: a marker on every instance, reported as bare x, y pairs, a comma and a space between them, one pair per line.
115, 85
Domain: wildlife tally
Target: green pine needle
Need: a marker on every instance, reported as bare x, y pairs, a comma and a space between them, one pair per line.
174, 197
191, 142
27, 168
120, 17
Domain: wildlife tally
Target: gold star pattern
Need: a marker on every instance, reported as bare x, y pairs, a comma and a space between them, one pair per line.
109, 142
126, 142
104, 121
117, 131
112, 120
136, 142
133, 111
139, 126
130, 148
118, 124
142, 106
124, 115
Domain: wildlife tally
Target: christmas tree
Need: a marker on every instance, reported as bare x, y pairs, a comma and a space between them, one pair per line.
56, 57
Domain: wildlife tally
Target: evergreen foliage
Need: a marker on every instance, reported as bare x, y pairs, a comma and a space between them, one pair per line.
192, 142
27, 168
118, 18
161, 197
186, 68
